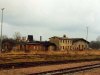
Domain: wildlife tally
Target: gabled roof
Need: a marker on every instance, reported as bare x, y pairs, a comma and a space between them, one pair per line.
78, 39
73, 39
60, 37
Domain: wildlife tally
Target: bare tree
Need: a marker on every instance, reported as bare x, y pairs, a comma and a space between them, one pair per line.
17, 36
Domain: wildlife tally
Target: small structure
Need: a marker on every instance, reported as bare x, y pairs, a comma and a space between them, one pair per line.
32, 45
79, 44
37, 46
8, 44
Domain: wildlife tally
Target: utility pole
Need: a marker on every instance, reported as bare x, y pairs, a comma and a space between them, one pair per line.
86, 33
1, 29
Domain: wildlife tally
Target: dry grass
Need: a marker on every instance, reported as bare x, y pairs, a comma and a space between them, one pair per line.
48, 56
71, 52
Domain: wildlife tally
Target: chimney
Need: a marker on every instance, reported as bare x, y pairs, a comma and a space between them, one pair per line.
30, 38
40, 38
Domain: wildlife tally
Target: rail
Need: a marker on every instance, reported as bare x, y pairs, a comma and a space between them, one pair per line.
41, 63
69, 70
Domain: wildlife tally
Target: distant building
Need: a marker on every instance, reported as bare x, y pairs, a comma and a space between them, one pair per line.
32, 45
56, 43
37, 46
79, 44
8, 44
65, 43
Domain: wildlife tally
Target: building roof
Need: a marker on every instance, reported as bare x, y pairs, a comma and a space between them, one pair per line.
44, 43
78, 39
60, 37
73, 39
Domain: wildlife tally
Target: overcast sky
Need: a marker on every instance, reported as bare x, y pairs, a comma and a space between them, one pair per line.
49, 18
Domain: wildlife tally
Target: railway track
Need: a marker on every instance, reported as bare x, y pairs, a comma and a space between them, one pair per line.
41, 63
69, 70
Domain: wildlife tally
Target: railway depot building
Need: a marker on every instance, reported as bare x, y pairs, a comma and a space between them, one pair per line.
65, 43
55, 44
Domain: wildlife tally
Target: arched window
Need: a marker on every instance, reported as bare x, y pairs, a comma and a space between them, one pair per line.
79, 46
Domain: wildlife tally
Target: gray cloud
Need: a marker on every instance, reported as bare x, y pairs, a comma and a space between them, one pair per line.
52, 17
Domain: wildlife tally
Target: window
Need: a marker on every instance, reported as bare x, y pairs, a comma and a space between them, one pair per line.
68, 47
63, 47
86, 46
69, 41
79, 46
34, 47
63, 41
66, 41
82, 46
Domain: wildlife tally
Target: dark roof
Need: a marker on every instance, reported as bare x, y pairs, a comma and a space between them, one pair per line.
45, 43
11, 41
60, 37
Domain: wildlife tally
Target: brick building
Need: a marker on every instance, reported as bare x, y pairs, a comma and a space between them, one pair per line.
32, 45
37, 46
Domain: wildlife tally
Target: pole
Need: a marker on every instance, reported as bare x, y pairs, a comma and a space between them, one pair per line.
87, 33
1, 28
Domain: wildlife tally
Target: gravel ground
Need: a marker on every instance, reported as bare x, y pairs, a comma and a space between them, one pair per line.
30, 70
95, 71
